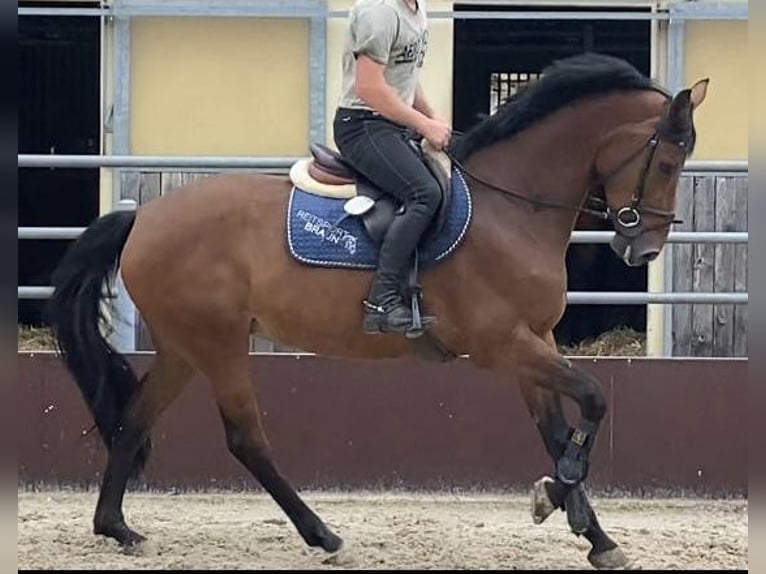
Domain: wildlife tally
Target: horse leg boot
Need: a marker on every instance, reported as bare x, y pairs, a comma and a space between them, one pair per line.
247, 441
160, 387
545, 408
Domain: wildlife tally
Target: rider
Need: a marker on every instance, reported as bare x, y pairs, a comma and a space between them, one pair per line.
381, 97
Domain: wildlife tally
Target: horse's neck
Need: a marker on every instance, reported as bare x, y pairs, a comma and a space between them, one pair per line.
553, 161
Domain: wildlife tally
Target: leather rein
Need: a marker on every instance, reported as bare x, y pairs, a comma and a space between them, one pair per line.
623, 219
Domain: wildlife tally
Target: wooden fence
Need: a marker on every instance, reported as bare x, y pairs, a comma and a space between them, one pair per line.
705, 203
710, 203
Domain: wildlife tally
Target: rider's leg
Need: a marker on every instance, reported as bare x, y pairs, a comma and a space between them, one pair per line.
385, 309
378, 149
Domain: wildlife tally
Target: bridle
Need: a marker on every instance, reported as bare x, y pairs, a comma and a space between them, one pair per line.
629, 217
625, 219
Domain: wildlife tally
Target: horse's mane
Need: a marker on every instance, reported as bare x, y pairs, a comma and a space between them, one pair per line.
561, 83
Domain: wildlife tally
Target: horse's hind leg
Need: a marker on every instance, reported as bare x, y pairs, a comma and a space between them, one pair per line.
247, 441
163, 383
546, 410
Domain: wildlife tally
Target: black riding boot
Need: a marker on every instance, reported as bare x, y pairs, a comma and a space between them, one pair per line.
384, 308
385, 311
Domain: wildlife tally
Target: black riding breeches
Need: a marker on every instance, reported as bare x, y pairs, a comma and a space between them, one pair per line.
379, 150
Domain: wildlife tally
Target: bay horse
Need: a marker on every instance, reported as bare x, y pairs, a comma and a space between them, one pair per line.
208, 266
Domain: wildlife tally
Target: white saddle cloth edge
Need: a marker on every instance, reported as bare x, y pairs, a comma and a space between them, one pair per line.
299, 175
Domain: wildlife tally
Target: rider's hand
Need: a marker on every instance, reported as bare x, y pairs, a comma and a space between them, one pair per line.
437, 132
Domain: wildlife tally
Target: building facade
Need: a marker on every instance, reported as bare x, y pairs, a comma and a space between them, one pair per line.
262, 78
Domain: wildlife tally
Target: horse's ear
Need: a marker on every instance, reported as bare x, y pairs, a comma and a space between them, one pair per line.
698, 92
679, 114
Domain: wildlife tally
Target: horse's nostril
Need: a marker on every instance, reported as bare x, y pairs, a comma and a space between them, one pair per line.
651, 256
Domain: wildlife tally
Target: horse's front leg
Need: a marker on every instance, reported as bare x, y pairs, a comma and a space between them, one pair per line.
546, 410
544, 375
538, 364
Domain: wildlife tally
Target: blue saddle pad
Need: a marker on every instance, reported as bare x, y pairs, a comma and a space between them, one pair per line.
319, 232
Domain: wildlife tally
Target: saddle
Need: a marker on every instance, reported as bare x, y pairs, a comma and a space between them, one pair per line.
376, 208
327, 173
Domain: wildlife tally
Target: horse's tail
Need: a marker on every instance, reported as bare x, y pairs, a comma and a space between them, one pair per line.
75, 313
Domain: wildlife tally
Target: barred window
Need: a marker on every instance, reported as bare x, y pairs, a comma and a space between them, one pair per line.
503, 85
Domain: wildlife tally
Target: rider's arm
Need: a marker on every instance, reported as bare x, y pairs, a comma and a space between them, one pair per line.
374, 30
421, 103
370, 85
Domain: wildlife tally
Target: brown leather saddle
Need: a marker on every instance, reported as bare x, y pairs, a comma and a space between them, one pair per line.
329, 167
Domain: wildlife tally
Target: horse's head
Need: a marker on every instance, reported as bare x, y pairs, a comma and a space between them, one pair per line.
638, 168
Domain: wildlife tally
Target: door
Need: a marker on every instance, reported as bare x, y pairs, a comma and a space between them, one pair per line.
493, 59
59, 103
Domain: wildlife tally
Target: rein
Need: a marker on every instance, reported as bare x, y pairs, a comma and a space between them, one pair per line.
600, 213
625, 218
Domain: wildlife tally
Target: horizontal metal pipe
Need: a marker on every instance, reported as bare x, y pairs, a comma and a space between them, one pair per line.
62, 11
50, 232
137, 161
673, 237
643, 298
246, 162
716, 166
35, 292
577, 236
532, 15
573, 297
720, 12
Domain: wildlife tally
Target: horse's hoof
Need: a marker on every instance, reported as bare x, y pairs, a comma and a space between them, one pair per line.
613, 559
542, 507
324, 538
345, 556
121, 533
332, 542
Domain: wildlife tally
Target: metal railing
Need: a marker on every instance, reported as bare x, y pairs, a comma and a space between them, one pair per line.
264, 8
246, 162
155, 161
573, 297
283, 164
577, 236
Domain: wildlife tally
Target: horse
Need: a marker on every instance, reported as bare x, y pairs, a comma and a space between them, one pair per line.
208, 266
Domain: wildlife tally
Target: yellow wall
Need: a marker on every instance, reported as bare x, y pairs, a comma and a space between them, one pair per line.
718, 50
241, 86
219, 86
436, 76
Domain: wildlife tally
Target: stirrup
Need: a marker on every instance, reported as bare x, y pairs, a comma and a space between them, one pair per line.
419, 323
417, 328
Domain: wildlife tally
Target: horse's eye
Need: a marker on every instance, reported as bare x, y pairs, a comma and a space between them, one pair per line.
667, 168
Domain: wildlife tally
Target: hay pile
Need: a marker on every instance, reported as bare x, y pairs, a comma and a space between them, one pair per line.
35, 339
619, 342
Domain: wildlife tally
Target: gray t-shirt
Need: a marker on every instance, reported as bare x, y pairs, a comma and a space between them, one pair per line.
392, 34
